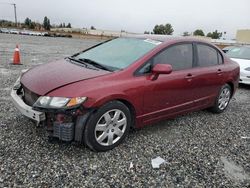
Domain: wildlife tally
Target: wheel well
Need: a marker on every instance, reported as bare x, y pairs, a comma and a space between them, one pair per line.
131, 109
232, 87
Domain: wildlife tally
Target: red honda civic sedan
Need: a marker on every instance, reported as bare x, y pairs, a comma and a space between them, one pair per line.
97, 95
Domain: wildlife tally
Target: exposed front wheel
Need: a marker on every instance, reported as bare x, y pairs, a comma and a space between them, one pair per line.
222, 99
108, 126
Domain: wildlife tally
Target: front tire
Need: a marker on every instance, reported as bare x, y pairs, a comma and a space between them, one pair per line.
107, 127
222, 99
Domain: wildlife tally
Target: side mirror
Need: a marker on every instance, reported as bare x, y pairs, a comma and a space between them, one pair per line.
160, 69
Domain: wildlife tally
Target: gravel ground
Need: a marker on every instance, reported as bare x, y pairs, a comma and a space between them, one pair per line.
201, 149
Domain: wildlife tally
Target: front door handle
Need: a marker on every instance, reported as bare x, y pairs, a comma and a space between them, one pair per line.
189, 77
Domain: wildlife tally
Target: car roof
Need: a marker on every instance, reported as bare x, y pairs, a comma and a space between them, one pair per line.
160, 38
166, 38
241, 46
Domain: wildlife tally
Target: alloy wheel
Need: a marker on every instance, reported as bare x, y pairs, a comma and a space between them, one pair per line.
224, 98
110, 127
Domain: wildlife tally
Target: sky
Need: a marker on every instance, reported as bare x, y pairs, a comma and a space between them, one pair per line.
137, 15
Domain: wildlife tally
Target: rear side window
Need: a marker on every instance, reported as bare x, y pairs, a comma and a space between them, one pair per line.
208, 56
180, 56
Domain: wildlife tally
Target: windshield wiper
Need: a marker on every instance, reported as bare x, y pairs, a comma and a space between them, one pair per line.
94, 63
77, 60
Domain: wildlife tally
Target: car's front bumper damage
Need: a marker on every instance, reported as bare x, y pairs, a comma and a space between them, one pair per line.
24, 108
64, 124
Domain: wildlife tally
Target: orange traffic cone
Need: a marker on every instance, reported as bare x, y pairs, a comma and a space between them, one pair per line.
16, 56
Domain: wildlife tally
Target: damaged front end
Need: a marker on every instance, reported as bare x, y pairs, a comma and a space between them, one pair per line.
64, 118
66, 124
17, 95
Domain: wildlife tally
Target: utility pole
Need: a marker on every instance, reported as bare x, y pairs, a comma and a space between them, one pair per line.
14, 10
15, 13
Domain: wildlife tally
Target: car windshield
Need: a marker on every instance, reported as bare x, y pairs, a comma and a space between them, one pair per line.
118, 53
239, 52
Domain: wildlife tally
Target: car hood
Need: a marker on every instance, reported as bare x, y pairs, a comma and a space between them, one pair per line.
47, 77
243, 63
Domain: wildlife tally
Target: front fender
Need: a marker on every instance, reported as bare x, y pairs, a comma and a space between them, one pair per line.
95, 103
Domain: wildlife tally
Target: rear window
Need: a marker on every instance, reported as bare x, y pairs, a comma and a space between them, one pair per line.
208, 56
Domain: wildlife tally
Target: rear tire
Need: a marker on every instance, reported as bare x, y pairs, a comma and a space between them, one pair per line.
222, 99
107, 127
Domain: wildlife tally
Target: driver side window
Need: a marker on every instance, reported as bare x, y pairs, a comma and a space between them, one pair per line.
179, 56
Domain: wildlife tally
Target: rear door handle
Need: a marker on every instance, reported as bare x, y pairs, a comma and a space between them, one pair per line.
189, 77
219, 72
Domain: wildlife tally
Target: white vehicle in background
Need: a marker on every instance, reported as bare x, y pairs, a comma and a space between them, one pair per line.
25, 32
241, 54
226, 49
44, 33
35, 33
4, 30
14, 31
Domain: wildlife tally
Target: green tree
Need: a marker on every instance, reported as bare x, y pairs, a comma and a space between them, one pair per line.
198, 32
32, 25
166, 29
46, 23
27, 22
186, 34
6, 23
69, 25
215, 35
92, 28
146, 32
